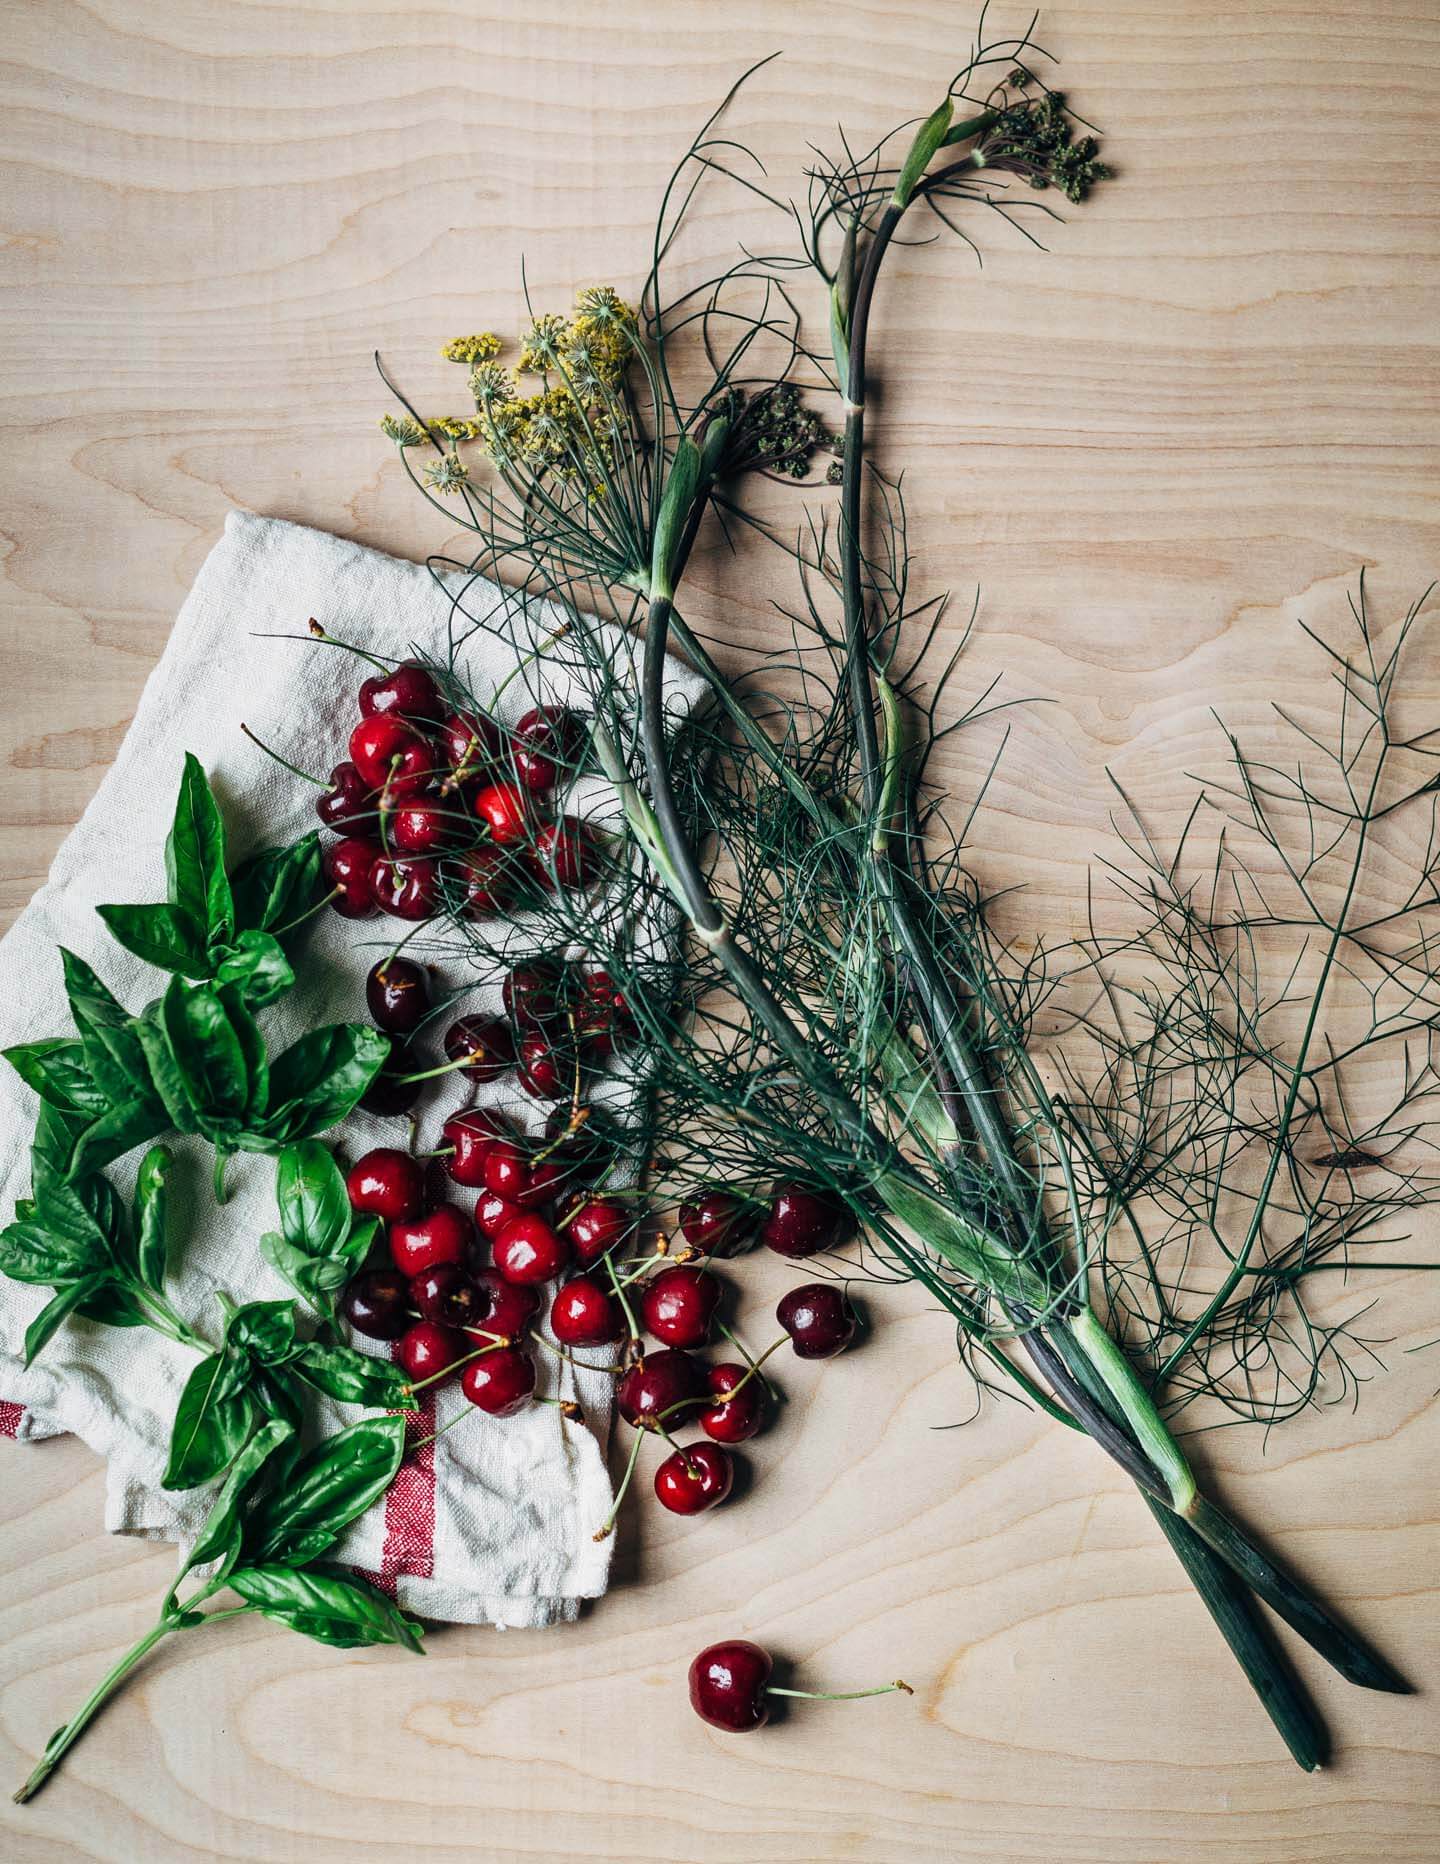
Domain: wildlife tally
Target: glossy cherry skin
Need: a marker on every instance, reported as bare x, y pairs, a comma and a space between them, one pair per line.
534, 994
426, 1242
544, 1067
596, 1225
563, 854
471, 1133
679, 1305
409, 692
507, 1174
428, 1349
501, 1382
446, 1294
392, 1093
391, 756
386, 1183
488, 881
349, 806
484, 1043
802, 1222
502, 808
509, 1308
602, 1016
819, 1320
470, 742
492, 1213
693, 1479
429, 825
660, 1388
406, 886
718, 1222
347, 866
736, 1411
397, 995
377, 1304
585, 1313
546, 743
728, 1683
529, 1251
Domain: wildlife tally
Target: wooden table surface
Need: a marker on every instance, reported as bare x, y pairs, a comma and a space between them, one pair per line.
1197, 417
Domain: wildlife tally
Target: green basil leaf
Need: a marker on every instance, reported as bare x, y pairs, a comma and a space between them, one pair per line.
165, 1072
213, 1422
112, 1050
50, 1318
88, 1211
114, 1305
318, 1278
327, 1489
148, 1215
256, 964
56, 1134
165, 936
314, 1204
265, 1330
276, 886
31, 1253
118, 1131
331, 1607
317, 1081
195, 858
354, 1378
220, 1533
361, 1240
207, 1051
56, 1070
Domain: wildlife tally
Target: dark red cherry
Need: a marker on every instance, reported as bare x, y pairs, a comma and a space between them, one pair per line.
501, 1382
585, 1313
471, 1133
406, 886
510, 1174
679, 1305
470, 742
736, 1411
386, 1183
563, 854
488, 882
492, 1213
349, 806
718, 1223
397, 995
547, 743
595, 1225
508, 1307
529, 1251
693, 1479
391, 756
347, 867
602, 1016
485, 1044
819, 1319
427, 1242
377, 1304
393, 1091
659, 1389
429, 1350
545, 1066
446, 1294
429, 825
502, 809
728, 1683
409, 692
534, 994
801, 1222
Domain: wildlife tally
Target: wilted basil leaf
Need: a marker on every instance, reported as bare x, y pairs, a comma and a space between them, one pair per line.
329, 1606
213, 1422
327, 1489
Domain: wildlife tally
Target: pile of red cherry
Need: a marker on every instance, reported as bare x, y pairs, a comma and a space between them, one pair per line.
430, 792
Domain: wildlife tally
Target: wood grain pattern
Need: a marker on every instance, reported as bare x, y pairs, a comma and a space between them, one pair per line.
1198, 416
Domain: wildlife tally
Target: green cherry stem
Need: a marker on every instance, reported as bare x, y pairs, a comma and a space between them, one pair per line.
284, 762
841, 1695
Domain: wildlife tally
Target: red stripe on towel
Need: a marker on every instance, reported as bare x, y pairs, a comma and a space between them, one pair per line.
409, 1545
12, 1416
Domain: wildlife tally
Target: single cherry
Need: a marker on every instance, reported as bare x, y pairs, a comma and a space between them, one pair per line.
508, 1175
377, 1304
801, 1222
564, 854
484, 1043
470, 742
406, 886
423, 1243
602, 1016
349, 806
501, 1382
347, 866
492, 1213
446, 1294
488, 882
545, 1067
391, 756
585, 1313
693, 1479
386, 1183
503, 810
529, 1251
508, 1307
658, 1388
547, 742
397, 995
737, 1408
718, 1223
429, 825
595, 1225
429, 1350
409, 692
819, 1319
471, 1133
679, 1305
728, 1684
534, 993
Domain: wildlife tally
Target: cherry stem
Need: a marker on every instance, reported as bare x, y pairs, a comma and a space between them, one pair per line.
455, 1365
425, 1442
607, 1526
317, 633
449, 1067
844, 1695
284, 762
309, 913
754, 1364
